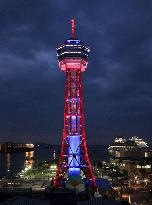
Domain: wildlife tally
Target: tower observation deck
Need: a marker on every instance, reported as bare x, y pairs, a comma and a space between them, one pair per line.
73, 59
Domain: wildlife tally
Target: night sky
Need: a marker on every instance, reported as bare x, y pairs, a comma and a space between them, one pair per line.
117, 85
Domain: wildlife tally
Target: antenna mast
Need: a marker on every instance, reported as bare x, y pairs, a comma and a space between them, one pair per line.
73, 28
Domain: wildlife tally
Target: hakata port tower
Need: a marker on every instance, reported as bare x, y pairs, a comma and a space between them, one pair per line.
74, 161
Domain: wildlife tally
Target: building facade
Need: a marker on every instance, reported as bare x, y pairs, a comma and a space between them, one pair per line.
131, 155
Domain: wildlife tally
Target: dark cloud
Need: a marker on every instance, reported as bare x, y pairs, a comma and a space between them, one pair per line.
117, 85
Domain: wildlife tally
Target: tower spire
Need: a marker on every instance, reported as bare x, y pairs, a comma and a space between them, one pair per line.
74, 161
73, 28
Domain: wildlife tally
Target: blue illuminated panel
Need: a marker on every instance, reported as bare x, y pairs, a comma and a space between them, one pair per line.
74, 155
73, 41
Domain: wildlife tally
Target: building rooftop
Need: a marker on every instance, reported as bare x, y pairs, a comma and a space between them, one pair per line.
133, 142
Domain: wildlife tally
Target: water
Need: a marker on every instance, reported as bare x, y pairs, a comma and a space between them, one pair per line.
12, 163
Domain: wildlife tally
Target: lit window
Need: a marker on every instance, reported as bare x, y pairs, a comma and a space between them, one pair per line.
146, 154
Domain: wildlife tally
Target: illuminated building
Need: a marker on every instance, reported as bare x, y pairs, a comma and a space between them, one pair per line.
9, 147
29, 160
53, 170
73, 59
53, 166
132, 155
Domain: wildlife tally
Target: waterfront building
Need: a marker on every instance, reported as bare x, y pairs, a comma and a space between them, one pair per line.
9, 147
132, 155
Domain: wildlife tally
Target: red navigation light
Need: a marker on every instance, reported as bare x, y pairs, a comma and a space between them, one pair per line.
73, 28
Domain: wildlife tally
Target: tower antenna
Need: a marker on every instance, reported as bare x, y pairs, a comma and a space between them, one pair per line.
73, 28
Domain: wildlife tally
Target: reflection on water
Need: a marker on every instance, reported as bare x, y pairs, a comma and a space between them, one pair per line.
29, 160
8, 161
16, 162
12, 163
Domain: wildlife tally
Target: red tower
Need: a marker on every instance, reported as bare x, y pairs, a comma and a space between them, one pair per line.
73, 59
